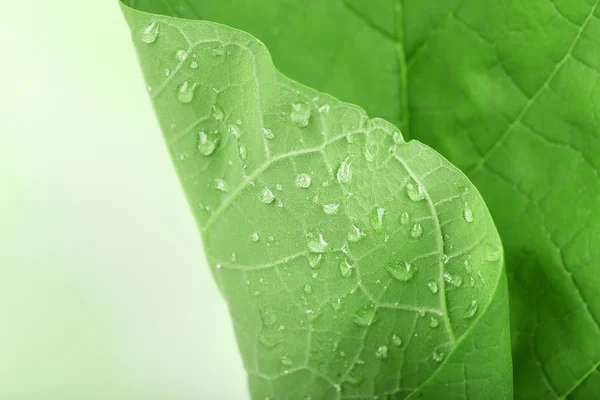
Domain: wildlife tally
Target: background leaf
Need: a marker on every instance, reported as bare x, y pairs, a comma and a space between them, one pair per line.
508, 91
354, 264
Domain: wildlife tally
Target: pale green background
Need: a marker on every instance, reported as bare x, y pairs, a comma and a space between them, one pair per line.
104, 291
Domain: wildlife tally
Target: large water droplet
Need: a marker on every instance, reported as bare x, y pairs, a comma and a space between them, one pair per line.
267, 196
221, 185
355, 234
382, 352
438, 355
344, 173
472, 310
365, 316
303, 181
468, 213
346, 268
185, 92
217, 113
432, 286
150, 34
331, 208
402, 271
453, 280
416, 231
206, 145
300, 114
405, 218
317, 243
376, 218
414, 191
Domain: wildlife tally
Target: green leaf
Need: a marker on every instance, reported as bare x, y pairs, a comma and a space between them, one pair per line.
355, 264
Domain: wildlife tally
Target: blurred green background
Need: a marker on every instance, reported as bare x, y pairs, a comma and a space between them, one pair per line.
105, 293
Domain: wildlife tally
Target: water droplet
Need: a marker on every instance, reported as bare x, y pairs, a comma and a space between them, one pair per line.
185, 92
445, 258
217, 51
402, 271
331, 208
234, 131
307, 288
472, 310
314, 260
453, 280
376, 218
317, 243
221, 185
468, 213
324, 109
346, 268
267, 316
218, 266
368, 156
416, 231
405, 218
285, 360
434, 322
303, 181
355, 234
267, 196
397, 341
268, 134
398, 139
493, 254
182, 55
344, 173
243, 153
382, 352
206, 145
336, 304
311, 315
167, 72
300, 114
254, 237
432, 286
365, 316
266, 341
194, 65
150, 34
217, 113
279, 187
414, 191
438, 356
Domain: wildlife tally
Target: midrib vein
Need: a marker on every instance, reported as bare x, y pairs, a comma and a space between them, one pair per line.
404, 112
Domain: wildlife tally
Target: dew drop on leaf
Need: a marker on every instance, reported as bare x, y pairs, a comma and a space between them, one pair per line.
206, 145
471, 310
266, 341
376, 218
234, 131
492, 253
438, 356
194, 65
344, 173
311, 315
316, 243
314, 260
468, 213
181, 55
453, 280
402, 271
331, 208
382, 352
300, 114
324, 109
396, 340
365, 316
432, 286
185, 92
217, 113
414, 191
150, 34
242, 152
221, 185
434, 322
267, 196
307, 288
368, 156
445, 258
268, 134
398, 139
405, 218
416, 231
303, 181
345, 268
285, 360
254, 237
217, 51
355, 234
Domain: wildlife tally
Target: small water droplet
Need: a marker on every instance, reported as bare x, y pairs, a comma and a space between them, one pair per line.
397, 340
432, 286
382, 352
331, 208
336, 304
217, 51
234, 131
206, 145
307, 288
317, 243
167, 72
453, 280
267, 196
468, 213
402, 271
493, 254
303, 181
368, 156
405, 218
221, 185
279, 187
285, 360
434, 322
300, 114
267, 316
217, 113
416, 231
311, 315
182, 55
355, 234
376, 218
266, 341
242, 152
445, 258
268, 134
472, 310
344, 173
346, 268
324, 109
185, 92
398, 139
438, 356
150, 34
194, 65
365, 316
414, 191
218, 266
314, 260
255, 237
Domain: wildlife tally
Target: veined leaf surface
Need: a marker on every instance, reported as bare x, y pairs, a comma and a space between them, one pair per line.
355, 264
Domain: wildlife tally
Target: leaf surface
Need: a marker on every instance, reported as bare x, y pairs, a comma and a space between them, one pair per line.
354, 264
